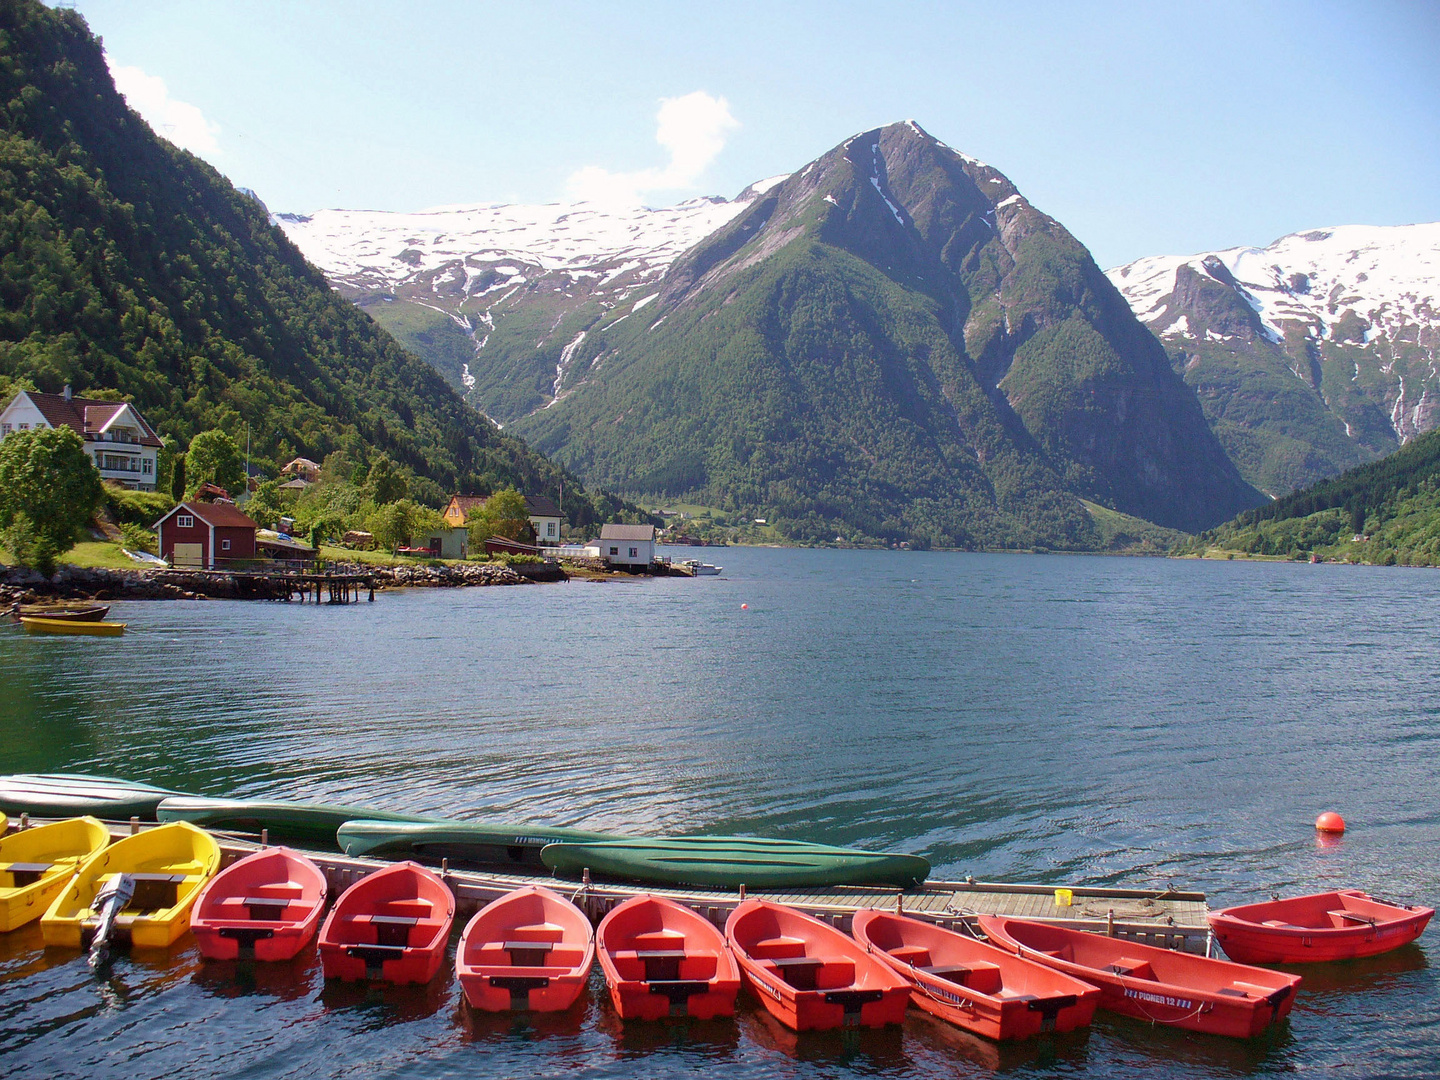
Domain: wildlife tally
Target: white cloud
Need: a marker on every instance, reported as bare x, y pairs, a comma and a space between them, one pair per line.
692, 128
179, 121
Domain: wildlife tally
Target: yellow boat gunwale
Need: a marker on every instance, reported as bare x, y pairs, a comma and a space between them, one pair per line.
64, 845
36, 625
177, 848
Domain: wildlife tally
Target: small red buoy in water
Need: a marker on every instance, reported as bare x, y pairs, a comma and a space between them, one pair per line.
1330, 822
744, 607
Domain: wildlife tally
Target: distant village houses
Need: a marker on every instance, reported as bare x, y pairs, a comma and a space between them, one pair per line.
122, 445
301, 469
545, 518
627, 545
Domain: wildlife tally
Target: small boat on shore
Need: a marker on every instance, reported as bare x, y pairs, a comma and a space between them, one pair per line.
809, 975
1323, 926
529, 950
316, 822
35, 864
65, 795
464, 843
972, 984
1159, 985
728, 862
663, 959
65, 612
391, 925
35, 625
701, 569
266, 906
167, 867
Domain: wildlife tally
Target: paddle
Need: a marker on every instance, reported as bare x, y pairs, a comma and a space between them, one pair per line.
110, 901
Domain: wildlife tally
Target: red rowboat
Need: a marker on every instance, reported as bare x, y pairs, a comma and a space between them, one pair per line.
663, 959
1160, 985
809, 975
391, 925
265, 907
530, 949
1324, 926
974, 985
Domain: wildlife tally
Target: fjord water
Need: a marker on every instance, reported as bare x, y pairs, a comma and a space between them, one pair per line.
1053, 719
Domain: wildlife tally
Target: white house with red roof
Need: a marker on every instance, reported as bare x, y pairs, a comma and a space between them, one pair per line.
122, 445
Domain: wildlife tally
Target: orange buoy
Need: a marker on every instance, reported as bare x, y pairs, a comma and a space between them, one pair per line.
1330, 822
744, 607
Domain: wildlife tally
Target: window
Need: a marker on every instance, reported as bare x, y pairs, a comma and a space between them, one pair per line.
4, 430
23, 427
184, 521
550, 529
224, 545
147, 466
634, 553
615, 551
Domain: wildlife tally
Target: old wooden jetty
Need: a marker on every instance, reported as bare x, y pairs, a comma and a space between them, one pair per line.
1166, 918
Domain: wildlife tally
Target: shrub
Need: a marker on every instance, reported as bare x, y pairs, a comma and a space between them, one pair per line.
138, 538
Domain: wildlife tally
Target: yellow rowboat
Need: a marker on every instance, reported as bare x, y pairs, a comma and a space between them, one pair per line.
35, 864
168, 864
36, 625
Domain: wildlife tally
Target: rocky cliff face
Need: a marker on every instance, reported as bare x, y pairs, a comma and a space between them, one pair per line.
1311, 355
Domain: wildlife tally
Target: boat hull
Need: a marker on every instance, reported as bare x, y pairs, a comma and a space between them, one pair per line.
266, 906
391, 926
94, 613
1164, 987
974, 985
530, 950
64, 795
463, 843
663, 959
36, 864
728, 862
35, 625
809, 975
171, 863
1317, 928
315, 822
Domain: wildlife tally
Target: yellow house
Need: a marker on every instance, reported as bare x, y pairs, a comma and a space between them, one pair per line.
459, 507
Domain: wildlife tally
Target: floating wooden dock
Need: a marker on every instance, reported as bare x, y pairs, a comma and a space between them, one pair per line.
1167, 918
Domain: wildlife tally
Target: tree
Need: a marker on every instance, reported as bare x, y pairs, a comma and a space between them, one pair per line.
267, 504
214, 458
392, 524
48, 492
385, 484
502, 514
177, 477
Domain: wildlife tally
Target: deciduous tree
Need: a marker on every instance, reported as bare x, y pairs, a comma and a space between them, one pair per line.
48, 492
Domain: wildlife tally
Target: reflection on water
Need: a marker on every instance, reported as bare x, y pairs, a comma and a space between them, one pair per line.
1016, 718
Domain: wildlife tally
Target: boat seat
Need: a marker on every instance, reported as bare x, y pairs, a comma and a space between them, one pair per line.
915, 955
1065, 952
777, 948
1280, 924
26, 873
528, 953
1135, 969
981, 976
155, 892
545, 931
658, 939
1344, 919
661, 965
265, 908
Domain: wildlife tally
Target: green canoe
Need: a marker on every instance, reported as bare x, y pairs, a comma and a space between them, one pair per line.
65, 795
731, 861
464, 843
288, 820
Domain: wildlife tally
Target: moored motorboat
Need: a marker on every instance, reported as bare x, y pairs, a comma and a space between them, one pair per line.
266, 906
529, 950
315, 822
808, 974
63, 795
35, 864
167, 866
972, 984
463, 843
1159, 985
663, 959
36, 625
391, 925
728, 862
1323, 926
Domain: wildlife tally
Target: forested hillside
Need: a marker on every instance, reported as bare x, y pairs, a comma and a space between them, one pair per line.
132, 267
1387, 512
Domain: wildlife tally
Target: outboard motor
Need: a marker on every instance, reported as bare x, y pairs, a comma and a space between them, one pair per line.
111, 900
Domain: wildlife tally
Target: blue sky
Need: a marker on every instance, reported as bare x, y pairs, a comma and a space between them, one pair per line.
1145, 128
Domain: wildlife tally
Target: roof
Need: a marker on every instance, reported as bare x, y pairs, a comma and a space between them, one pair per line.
541, 506
301, 463
217, 515
465, 503
85, 416
627, 532
298, 484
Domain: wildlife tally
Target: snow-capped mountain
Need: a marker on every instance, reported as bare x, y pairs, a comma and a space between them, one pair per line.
497, 272
1315, 353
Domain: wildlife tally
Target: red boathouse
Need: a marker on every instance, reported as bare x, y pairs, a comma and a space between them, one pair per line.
206, 535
